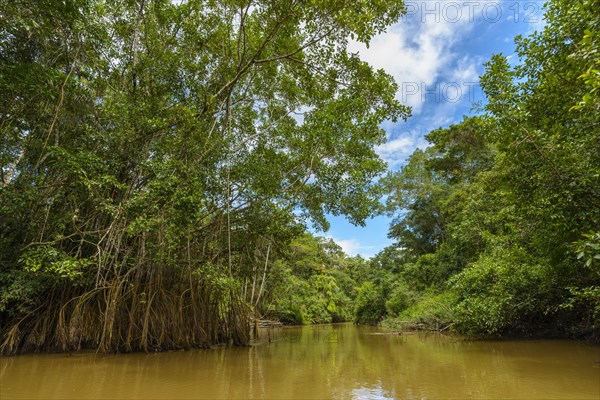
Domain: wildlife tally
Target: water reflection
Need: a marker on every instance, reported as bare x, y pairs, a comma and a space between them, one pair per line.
328, 361
375, 393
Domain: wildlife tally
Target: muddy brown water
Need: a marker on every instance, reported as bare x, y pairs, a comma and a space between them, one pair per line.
324, 361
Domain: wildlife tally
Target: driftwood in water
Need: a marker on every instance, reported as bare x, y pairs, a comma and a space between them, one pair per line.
408, 326
263, 323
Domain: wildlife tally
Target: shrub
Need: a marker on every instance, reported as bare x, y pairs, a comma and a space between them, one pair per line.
401, 298
369, 307
504, 291
431, 311
316, 301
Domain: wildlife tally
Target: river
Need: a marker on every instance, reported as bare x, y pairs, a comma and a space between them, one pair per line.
324, 361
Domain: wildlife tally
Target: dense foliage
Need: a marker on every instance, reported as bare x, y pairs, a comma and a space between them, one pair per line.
311, 283
155, 154
160, 162
497, 222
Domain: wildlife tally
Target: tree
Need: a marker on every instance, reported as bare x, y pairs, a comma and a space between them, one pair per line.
497, 211
428, 197
149, 147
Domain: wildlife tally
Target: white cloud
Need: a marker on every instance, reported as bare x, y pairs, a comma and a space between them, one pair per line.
465, 71
417, 137
350, 246
424, 52
395, 151
353, 247
418, 50
395, 145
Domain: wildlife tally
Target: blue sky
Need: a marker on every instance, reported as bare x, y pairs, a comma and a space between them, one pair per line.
436, 55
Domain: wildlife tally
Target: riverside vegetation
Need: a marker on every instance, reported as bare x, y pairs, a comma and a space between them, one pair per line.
161, 161
497, 220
